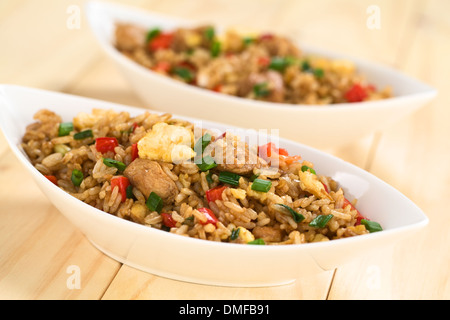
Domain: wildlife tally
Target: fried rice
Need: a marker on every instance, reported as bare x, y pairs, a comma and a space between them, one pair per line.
122, 165
265, 67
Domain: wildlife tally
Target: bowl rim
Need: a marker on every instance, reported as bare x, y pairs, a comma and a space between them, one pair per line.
426, 91
420, 222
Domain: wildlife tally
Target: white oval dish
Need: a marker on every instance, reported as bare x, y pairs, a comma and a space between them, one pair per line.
317, 126
201, 261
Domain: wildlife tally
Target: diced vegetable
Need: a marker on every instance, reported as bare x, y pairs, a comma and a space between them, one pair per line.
134, 152
306, 66
359, 216
168, 220
183, 73
279, 63
261, 185
229, 178
261, 89
207, 163
210, 216
215, 48
248, 40
320, 221
105, 144
83, 134
319, 73
235, 233
114, 163
61, 148
152, 34
210, 33
77, 177
123, 183
154, 202
372, 226
162, 66
306, 168
160, 41
356, 93
129, 192
202, 143
65, 129
298, 217
257, 241
264, 61
215, 194
52, 179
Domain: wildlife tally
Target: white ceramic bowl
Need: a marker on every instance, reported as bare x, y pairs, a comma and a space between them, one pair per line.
317, 126
201, 261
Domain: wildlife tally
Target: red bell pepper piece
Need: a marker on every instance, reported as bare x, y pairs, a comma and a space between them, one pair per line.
359, 216
263, 61
357, 93
121, 182
162, 66
210, 216
168, 221
134, 152
52, 179
106, 144
161, 41
215, 193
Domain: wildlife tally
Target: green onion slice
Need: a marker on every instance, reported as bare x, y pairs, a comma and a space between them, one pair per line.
261, 89
83, 134
129, 192
208, 163
210, 33
152, 34
298, 217
306, 168
372, 226
306, 66
114, 163
319, 73
235, 233
261, 185
154, 202
215, 48
257, 241
279, 63
77, 177
209, 178
65, 128
202, 143
183, 73
229, 178
320, 221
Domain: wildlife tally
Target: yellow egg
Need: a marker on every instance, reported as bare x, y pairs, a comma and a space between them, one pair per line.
168, 143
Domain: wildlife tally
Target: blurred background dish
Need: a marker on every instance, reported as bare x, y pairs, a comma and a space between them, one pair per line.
321, 126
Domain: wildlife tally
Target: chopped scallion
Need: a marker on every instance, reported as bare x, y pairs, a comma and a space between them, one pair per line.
210, 33
235, 233
114, 163
261, 185
279, 63
229, 178
261, 89
306, 168
371, 226
83, 134
77, 177
154, 202
319, 73
183, 73
202, 143
257, 241
320, 221
215, 48
65, 128
208, 163
153, 33
298, 217
129, 192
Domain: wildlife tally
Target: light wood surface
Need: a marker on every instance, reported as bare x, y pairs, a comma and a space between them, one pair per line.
38, 246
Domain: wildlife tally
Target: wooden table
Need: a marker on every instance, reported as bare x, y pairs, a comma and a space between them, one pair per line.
42, 46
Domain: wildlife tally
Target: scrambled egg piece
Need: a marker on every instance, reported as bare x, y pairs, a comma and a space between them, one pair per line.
85, 120
309, 182
168, 143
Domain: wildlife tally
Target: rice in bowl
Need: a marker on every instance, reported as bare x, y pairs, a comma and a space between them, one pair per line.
160, 172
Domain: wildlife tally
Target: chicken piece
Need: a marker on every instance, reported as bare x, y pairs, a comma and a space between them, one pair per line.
310, 183
271, 80
268, 234
148, 177
234, 155
279, 46
130, 37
